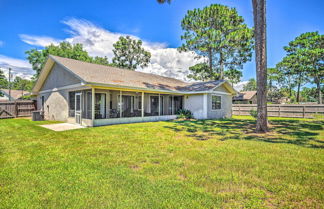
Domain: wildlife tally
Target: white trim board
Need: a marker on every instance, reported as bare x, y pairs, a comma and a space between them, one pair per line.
72, 87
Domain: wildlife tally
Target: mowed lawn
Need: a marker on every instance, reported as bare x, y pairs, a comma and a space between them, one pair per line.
176, 164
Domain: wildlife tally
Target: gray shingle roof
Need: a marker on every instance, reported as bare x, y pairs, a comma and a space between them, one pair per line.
100, 74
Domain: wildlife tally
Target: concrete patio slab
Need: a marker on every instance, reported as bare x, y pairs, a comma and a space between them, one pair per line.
62, 126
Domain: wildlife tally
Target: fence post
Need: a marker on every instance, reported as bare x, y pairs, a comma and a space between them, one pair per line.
239, 109
16, 109
279, 110
304, 111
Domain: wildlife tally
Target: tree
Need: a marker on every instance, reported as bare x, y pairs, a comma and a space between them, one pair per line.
309, 94
3, 80
37, 58
201, 72
273, 76
233, 75
220, 35
305, 54
251, 85
22, 84
130, 54
287, 79
259, 17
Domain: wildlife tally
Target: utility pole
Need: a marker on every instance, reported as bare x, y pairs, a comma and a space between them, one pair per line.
9, 84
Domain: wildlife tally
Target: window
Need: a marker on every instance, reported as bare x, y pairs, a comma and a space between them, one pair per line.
216, 102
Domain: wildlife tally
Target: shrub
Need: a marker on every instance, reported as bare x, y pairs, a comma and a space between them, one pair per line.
184, 114
254, 113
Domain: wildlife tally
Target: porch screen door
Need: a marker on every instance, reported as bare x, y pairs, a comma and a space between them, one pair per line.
78, 110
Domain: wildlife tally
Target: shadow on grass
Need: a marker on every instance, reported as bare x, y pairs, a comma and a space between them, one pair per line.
298, 132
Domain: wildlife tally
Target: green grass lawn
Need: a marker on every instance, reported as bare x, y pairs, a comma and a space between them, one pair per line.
179, 164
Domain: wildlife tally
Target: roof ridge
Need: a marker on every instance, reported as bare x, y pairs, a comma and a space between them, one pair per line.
120, 69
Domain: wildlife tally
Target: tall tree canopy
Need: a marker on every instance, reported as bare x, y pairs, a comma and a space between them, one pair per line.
251, 85
22, 84
220, 35
129, 53
293, 67
201, 72
305, 56
37, 58
233, 75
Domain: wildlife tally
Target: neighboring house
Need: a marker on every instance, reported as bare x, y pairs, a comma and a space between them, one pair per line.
12, 96
245, 97
93, 95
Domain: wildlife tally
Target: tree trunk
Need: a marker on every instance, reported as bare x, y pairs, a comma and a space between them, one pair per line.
298, 88
210, 62
298, 92
319, 92
221, 66
259, 13
270, 89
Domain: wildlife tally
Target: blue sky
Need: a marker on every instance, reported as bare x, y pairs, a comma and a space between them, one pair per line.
35, 23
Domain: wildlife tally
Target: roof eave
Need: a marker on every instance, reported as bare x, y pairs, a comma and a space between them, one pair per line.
229, 87
93, 84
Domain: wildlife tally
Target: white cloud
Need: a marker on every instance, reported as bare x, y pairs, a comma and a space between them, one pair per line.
19, 67
39, 40
239, 86
99, 42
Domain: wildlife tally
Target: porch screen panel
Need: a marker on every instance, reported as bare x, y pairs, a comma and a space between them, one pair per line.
71, 104
178, 103
100, 106
88, 105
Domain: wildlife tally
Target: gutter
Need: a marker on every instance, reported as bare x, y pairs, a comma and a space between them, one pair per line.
93, 84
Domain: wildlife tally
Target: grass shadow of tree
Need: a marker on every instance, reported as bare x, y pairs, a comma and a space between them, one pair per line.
298, 132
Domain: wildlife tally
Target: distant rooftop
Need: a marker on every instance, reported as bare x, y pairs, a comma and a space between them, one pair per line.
245, 95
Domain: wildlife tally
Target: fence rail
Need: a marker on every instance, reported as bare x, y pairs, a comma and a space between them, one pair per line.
13, 109
282, 110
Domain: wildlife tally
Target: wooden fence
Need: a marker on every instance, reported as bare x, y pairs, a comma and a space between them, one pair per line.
283, 110
13, 109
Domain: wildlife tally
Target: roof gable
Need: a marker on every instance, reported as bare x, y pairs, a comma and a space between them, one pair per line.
59, 77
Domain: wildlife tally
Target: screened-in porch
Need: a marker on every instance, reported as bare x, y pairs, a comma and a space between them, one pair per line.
116, 106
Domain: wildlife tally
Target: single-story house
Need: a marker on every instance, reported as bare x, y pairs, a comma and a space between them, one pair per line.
12, 95
245, 97
94, 95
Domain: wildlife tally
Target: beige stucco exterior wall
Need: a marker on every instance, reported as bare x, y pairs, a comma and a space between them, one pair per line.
226, 106
56, 101
195, 103
55, 106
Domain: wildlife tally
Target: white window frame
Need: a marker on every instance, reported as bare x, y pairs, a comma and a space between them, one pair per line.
211, 100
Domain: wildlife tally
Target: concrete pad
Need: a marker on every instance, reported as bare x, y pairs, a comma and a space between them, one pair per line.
62, 126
